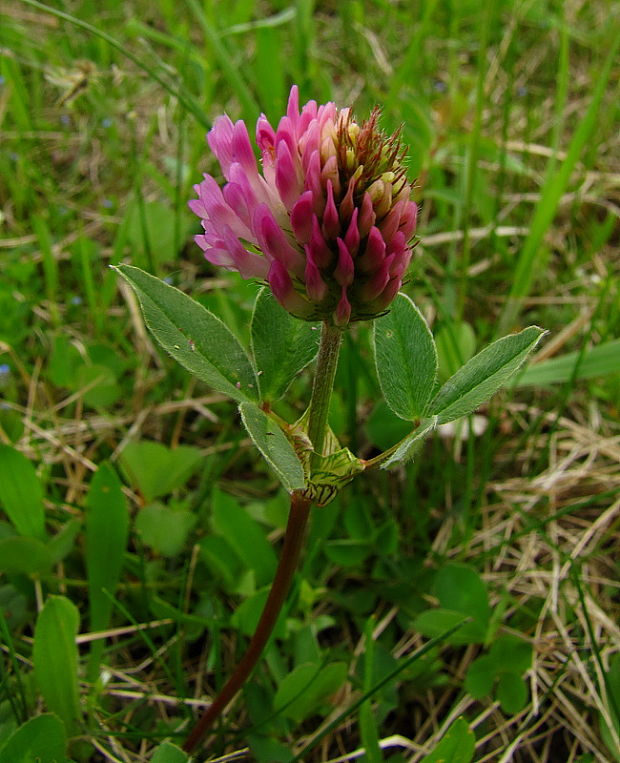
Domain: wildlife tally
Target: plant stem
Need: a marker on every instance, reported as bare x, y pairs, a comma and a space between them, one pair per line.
293, 539
327, 363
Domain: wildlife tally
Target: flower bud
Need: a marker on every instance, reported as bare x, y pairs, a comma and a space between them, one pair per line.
326, 220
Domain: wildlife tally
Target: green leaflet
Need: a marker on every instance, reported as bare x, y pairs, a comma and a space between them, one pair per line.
406, 359
476, 381
281, 345
194, 337
457, 746
274, 446
107, 530
40, 739
407, 447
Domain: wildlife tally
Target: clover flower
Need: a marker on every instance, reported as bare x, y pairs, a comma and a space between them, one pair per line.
328, 221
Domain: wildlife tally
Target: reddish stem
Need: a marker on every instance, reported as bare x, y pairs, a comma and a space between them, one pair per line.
293, 539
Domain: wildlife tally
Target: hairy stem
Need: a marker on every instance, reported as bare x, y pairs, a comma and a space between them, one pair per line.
293, 539
327, 363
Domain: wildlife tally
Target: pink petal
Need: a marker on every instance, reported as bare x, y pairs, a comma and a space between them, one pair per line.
345, 268
284, 291
211, 206
313, 182
249, 264
347, 204
330, 174
317, 248
374, 254
376, 283
286, 133
265, 136
408, 220
388, 294
331, 221
242, 148
292, 107
398, 243
316, 288
352, 237
273, 241
288, 184
301, 217
390, 223
308, 143
220, 138
367, 216
342, 313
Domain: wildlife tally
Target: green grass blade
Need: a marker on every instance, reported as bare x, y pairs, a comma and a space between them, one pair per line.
249, 106
526, 270
107, 531
21, 494
55, 659
368, 723
602, 360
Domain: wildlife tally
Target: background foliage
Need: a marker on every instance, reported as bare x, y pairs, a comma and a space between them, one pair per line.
140, 529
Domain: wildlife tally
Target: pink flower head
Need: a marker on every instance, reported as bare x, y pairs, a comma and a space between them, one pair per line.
327, 222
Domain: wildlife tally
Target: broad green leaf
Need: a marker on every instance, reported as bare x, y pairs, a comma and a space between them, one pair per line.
157, 470
457, 746
99, 386
347, 552
408, 447
21, 495
480, 677
602, 360
64, 361
164, 528
273, 445
511, 653
483, 375
25, 556
246, 616
460, 588
167, 752
244, 534
41, 739
107, 530
219, 556
281, 345
434, 622
511, 692
302, 692
55, 659
194, 337
406, 359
